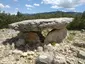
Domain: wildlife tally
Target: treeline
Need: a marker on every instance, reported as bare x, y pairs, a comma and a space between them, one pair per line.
78, 23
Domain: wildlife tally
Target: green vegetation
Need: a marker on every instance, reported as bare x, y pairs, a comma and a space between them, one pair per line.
77, 24
53, 43
71, 36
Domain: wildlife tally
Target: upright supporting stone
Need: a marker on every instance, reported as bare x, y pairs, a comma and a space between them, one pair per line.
33, 39
56, 35
33, 36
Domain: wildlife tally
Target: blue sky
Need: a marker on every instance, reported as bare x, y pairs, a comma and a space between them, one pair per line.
38, 6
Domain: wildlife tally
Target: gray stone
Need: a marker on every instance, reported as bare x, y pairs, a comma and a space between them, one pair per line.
30, 52
44, 58
50, 48
56, 36
81, 62
30, 37
6, 34
59, 60
79, 44
40, 49
40, 24
32, 40
81, 54
17, 52
82, 30
20, 42
71, 60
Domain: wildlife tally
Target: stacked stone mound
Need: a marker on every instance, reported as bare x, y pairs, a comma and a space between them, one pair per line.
29, 27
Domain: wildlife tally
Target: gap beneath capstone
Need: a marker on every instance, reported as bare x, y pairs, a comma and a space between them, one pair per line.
31, 39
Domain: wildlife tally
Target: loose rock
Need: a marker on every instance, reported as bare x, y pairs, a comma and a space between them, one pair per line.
44, 58
59, 60
81, 54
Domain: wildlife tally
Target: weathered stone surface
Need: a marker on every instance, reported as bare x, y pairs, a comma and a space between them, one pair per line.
59, 60
50, 48
81, 54
7, 34
62, 50
40, 49
50, 58
17, 51
71, 60
40, 24
56, 36
44, 58
79, 44
20, 42
32, 39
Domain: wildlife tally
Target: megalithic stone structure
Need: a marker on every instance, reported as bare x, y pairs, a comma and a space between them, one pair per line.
58, 25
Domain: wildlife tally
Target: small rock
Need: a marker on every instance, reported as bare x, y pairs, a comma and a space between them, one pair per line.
82, 30
79, 44
81, 54
80, 62
30, 53
17, 52
49, 47
59, 60
40, 49
24, 54
30, 57
20, 42
71, 60
44, 58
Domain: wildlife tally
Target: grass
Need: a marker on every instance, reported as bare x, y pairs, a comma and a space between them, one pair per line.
53, 43
71, 36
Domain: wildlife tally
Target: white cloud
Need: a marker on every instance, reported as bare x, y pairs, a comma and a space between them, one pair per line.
1, 5
29, 7
62, 3
35, 4
54, 6
4, 6
7, 6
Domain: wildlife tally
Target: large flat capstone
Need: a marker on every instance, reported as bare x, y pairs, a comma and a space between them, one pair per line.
40, 24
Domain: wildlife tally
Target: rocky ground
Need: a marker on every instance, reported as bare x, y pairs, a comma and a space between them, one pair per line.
70, 51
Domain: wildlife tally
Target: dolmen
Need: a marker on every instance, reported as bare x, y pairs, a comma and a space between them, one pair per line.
31, 30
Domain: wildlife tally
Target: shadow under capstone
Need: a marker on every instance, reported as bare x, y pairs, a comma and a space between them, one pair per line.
26, 40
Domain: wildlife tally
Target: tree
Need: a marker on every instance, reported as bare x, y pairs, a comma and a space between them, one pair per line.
83, 15
19, 14
75, 24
